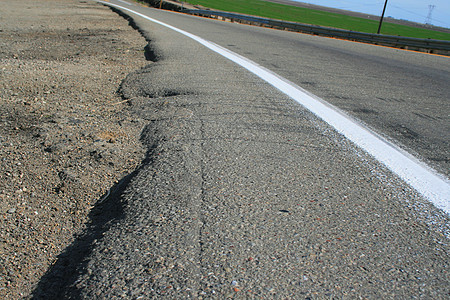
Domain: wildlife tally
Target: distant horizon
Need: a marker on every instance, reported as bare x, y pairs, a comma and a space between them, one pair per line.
411, 10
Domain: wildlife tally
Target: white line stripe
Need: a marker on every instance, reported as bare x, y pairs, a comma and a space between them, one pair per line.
426, 181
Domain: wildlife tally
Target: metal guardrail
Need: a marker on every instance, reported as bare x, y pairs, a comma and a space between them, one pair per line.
424, 45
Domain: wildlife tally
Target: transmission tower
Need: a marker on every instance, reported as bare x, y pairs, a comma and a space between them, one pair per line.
430, 11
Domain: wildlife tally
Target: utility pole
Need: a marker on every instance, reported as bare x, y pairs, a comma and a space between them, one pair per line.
382, 16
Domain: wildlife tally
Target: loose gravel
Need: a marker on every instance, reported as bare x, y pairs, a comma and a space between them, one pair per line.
66, 134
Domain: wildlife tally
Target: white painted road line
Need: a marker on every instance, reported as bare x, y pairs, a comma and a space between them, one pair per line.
418, 175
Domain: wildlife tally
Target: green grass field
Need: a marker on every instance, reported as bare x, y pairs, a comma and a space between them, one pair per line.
316, 17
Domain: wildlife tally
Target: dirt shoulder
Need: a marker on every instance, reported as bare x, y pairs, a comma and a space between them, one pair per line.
66, 136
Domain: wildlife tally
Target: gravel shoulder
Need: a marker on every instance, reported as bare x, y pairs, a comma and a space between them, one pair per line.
66, 134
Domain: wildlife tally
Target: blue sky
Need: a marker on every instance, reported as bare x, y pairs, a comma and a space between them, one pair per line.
412, 10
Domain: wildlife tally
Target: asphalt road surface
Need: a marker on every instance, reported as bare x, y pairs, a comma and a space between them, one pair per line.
402, 94
246, 194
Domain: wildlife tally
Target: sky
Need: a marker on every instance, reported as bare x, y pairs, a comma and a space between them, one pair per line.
412, 10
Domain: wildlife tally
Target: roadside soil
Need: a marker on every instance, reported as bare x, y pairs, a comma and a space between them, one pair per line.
66, 135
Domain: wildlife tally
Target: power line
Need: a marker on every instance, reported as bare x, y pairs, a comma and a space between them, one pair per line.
408, 11
445, 23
